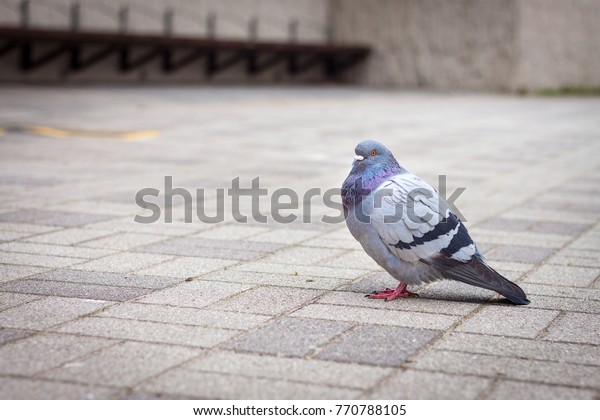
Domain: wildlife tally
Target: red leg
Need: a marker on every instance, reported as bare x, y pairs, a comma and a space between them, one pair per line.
391, 294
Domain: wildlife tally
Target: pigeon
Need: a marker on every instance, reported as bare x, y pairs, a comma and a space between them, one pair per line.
408, 229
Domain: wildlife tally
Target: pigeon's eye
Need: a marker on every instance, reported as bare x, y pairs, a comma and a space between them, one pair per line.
373, 152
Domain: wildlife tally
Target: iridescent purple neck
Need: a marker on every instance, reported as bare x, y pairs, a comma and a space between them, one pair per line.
362, 180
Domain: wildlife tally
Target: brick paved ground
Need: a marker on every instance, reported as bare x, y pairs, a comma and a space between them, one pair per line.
93, 305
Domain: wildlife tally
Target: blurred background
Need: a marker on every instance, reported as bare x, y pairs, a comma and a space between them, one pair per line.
503, 45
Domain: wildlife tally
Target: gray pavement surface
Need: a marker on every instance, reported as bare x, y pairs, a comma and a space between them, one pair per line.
95, 305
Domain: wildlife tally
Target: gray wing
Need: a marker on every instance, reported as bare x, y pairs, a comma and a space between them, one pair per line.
416, 224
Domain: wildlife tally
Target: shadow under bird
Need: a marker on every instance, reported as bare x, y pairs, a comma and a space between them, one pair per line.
408, 229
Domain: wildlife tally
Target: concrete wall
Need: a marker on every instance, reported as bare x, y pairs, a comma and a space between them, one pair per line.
501, 45
431, 43
474, 44
558, 44
145, 16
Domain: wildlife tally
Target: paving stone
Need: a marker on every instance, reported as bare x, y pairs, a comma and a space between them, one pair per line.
47, 312
353, 259
413, 304
509, 368
176, 248
7, 335
571, 229
125, 364
237, 245
451, 290
502, 224
519, 230
12, 388
10, 272
300, 255
6, 235
376, 281
524, 254
56, 250
378, 345
309, 282
289, 336
206, 385
520, 348
559, 291
124, 262
301, 270
195, 294
585, 304
24, 357
324, 242
28, 228
268, 300
232, 232
509, 321
154, 332
510, 266
53, 218
123, 241
184, 267
576, 328
421, 385
524, 239
286, 236
107, 279
8, 300
576, 257
76, 290
70, 236
377, 316
564, 276
512, 390
18, 258
589, 241
187, 316
291, 369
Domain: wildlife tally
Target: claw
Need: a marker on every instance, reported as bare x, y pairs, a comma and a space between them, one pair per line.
391, 294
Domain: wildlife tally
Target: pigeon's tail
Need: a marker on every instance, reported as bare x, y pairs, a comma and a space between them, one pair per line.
478, 273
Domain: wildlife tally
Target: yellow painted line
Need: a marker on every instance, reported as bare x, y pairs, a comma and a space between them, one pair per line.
2, 131
66, 133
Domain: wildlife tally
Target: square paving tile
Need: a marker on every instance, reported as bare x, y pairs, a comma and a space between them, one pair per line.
76, 290
509, 321
564, 276
291, 369
47, 312
52, 218
523, 254
422, 385
38, 353
268, 300
378, 345
154, 332
8, 334
195, 294
123, 365
107, 279
208, 385
12, 388
289, 336
12, 272
576, 328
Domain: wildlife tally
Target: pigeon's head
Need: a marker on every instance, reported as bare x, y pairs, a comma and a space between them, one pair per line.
370, 152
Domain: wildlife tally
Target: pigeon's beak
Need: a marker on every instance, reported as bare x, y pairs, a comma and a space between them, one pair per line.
358, 158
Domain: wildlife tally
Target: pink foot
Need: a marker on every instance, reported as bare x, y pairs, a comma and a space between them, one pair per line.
391, 294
